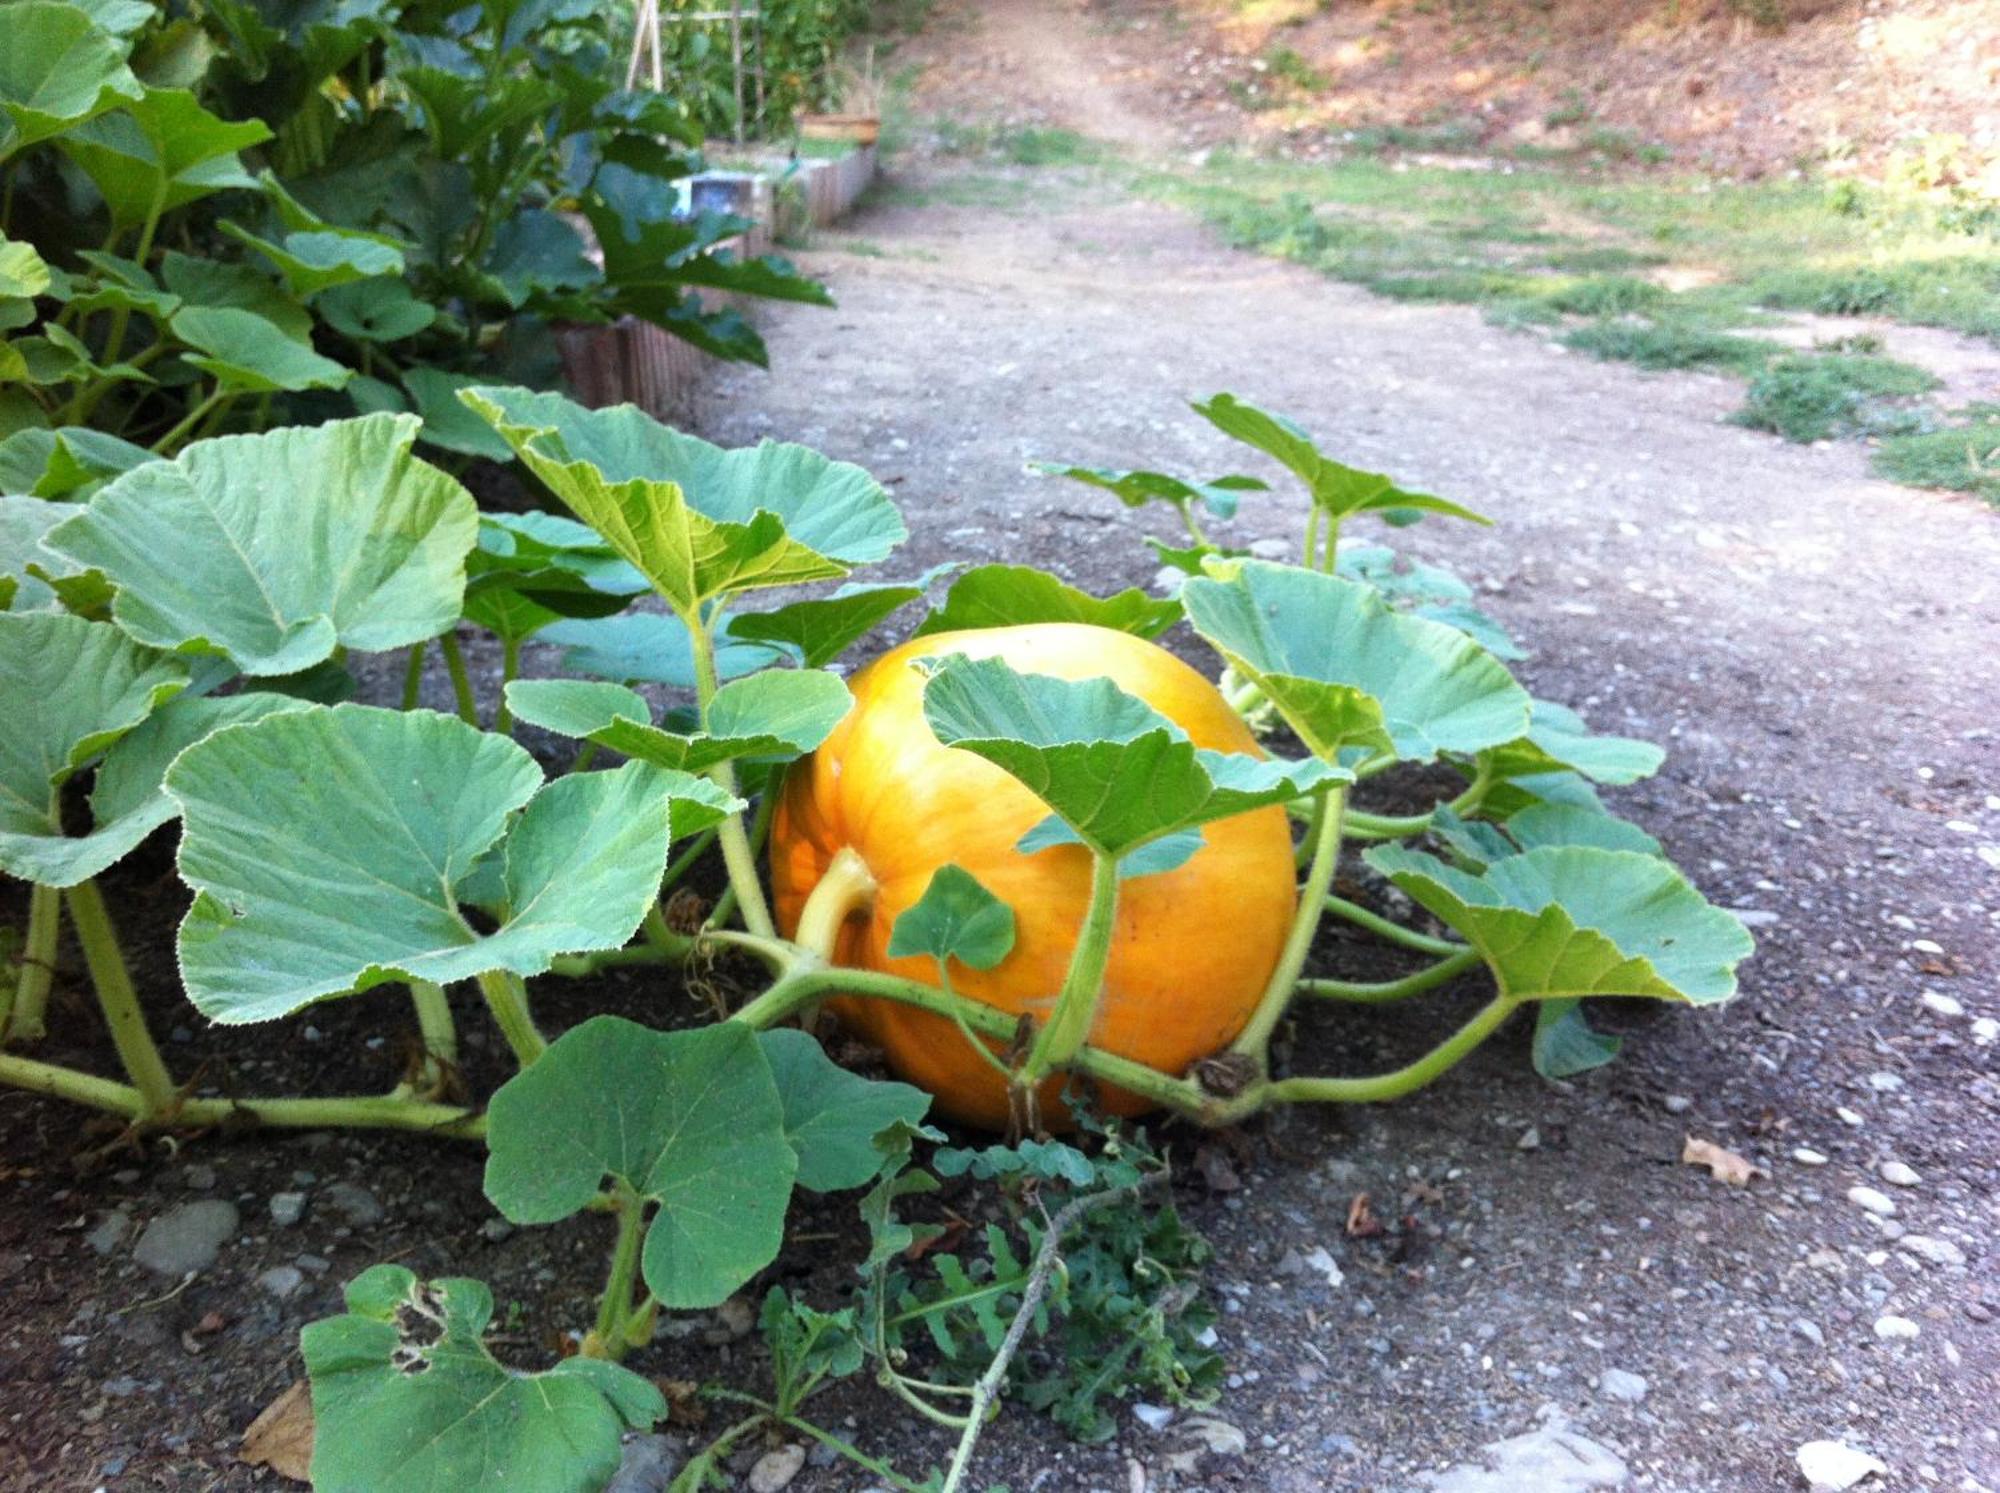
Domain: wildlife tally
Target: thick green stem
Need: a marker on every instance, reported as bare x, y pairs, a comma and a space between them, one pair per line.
413, 675
376, 1112
737, 856
118, 1000
671, 947
1256, 1036
577, 966
843, 889
1398, 827
1311, 557
507, 998
26, 1017
615, 1310
685, 861
461, 686
165, 444
1394, 932
510, 666
1069, 1024
438, 1030
1427, 978
1194, 528
1405, 1080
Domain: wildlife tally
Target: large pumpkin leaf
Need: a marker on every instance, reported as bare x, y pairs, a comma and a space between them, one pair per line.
1578, 920
1136, 489
1345, 669
689, 1120
68, 690
23, 272
1565, 1042
822, 628
1008, 595
1558, 738
318, 259
128, 801
331, 849
23, 522
650, 648
406, 1398
161, 151
1335, 488
274, 549
778, 713
57, 70
1113, 769
65, 463
832, 1116
250, 354
696, 520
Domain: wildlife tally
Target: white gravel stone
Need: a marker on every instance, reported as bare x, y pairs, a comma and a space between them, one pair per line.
1985, 1031
1936, 1251
1622, 1384
1153, 1417
1891, 1328
1898, 1175
1872, 1200
287, 1208
1849, 1117
1807, 1156
1836, 1465
1944, 1005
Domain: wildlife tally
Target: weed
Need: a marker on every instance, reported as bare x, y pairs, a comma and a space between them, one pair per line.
1287, 66
1813, 397
1671, 344
1606, 295
1047, 147
1959, 458
1574, 109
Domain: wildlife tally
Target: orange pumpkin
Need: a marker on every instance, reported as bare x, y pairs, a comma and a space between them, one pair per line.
1193, 947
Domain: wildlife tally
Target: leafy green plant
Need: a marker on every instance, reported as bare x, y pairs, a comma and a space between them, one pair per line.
1960, 457
1812, 397
182, 646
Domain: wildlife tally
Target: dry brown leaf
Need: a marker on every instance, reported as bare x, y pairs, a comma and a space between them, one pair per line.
1361, 1220
281, 1437
1214, 1165
1724, 1165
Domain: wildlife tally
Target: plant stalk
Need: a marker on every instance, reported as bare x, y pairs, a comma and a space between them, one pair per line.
438, 1030
1428, 978
510, 666
413, 675
737, 854
119, 1001
843, 889
1255, 1038
25, 1017
461, 685
616, 1307
507, 997
1069, 1025
1394, 932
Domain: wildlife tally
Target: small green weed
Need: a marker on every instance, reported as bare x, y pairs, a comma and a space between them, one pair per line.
1287, 66
1608, 295
1815, 396
1958, 458
1671, 344
1046, 147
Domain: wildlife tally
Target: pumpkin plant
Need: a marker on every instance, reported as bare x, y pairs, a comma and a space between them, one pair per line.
1041, 862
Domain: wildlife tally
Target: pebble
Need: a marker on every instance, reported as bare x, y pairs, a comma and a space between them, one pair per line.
1936, 1251
1836, 1465
1270, 549
1985, 1031
1531, 1139
1849, 1117
1677, 1104
774, 1471
282, 1280
1944, 1005
110, 1231
187, 1238
314, 1264
1885, 1083
1622, 1384
287, 1208
496, 1230
1809, 1330
355, 1204
1892, 1327
649, 1465
200, 1178
1153, 1417
1872, 1201
1806, 1156
1898, 1175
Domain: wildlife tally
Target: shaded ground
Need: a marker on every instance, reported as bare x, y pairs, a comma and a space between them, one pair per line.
1816, 649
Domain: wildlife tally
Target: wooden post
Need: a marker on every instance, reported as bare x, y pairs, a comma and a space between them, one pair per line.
736, 59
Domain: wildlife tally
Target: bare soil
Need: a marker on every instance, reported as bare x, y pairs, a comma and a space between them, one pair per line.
1816, 648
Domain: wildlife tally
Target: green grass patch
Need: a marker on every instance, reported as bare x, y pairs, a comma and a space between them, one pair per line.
1958, 458
1047, 147
1815, 396
1672, 345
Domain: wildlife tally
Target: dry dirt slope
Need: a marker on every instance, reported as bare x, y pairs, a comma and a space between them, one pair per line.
1816, 648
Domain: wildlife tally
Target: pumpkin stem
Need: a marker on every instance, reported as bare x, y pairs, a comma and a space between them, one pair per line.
1070, 1024
1256, 1036
844, 888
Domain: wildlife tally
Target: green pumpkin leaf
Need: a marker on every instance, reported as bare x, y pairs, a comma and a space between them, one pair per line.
321, 258
214, 285
1427, 591
378, 310
128, 801
832, 1116
406, 1398
67, 463
690, 1120
536, 251
1565, 1042
1543, 824
1336, 489
824, 627
1009, 595
58, 69
650, 648
448, 424
243, 352
23, 273
1557, 738
1344, 669
69, 689
696, 520
1136, 489
366, 551
23, 522
1114, 769
1577, 920
778, 713
956, 918
161, 151
329, 847
1168, 853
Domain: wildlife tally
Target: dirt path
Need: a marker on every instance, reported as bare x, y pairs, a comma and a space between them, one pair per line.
1816, 648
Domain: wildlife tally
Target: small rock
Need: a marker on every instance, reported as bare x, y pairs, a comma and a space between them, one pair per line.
199, 1178
1891, 1328
1985, 1031
1677, 1104
1270, 549
1936, 1251
1836, 1465
1885, 1083
1153, 1417
774, 1471
354, 1204
123, 1387
649, 1465
1872, 1201
496, 1230
1531, 1140
1807, 1156
1809, 1330
314, 1264
1622, 1384
1898, 1175
287, 1208
1944, 1005
187, 1238
733, 1320
1849, 1117
282, 1280
110, 1231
